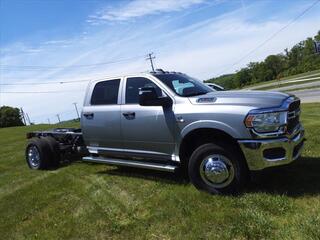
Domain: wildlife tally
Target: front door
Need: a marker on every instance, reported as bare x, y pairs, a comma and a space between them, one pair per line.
148, 131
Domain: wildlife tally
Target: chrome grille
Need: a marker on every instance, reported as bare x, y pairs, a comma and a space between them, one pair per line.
293, 116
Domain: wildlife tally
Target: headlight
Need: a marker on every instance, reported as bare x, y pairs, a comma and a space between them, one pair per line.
266, 122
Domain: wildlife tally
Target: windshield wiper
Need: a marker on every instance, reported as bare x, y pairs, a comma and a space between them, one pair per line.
195, 94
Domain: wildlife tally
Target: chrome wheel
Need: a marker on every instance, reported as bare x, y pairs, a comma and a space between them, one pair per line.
217, 171
33, 156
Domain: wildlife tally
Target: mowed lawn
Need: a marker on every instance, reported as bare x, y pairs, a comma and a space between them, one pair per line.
91, 201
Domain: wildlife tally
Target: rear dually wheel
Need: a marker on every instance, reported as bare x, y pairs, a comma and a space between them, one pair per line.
42, 153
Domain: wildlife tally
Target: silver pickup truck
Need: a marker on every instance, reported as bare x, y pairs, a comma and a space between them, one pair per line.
169, 121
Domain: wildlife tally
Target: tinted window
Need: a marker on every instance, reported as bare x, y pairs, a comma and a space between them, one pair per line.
184, 85
105, 93
132, 88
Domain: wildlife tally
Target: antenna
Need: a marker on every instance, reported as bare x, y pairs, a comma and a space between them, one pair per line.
150, 57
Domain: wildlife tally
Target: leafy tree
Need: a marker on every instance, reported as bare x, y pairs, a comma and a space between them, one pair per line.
10, 117
275, 63
243, 77
300, 58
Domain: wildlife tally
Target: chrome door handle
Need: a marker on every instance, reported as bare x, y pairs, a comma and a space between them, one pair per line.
88, 115
129, 115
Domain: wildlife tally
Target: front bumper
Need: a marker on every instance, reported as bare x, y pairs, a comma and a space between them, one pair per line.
263, 153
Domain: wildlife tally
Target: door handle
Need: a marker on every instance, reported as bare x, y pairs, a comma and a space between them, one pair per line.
129, 115
88, 115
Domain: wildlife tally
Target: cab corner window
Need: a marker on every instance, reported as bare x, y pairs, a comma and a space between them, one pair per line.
105, 93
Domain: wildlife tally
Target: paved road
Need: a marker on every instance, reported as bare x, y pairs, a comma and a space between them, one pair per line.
303, 85
295, 80
308, 95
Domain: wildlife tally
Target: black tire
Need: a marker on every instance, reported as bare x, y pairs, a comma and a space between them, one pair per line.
55, 155
237, 170
40, 147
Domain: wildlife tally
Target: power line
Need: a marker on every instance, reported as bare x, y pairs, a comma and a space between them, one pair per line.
54, 114
42, 92
45, 83
53, 82
39, 67
271, 37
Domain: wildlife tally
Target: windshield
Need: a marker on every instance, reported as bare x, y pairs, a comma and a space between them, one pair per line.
184, 85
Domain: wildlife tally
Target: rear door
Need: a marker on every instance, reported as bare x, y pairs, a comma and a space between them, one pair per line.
100, 120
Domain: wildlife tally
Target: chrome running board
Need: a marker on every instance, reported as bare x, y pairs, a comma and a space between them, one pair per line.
131, 163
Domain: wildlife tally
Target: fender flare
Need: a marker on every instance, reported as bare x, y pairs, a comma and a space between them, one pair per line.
209, 124
205, 124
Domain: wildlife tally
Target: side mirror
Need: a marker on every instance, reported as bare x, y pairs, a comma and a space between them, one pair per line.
149, 97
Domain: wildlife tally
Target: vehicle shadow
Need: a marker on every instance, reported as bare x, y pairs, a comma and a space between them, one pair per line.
300, 178
65, 162
147, 174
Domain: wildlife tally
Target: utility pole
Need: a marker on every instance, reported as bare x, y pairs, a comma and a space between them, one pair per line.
317, 46
278, 78
75, 105
23, 117
28, 118
150, 57
58, 118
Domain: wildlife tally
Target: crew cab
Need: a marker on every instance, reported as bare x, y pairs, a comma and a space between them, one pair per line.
169, 121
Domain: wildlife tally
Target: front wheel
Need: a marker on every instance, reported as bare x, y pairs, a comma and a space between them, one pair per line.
217, 169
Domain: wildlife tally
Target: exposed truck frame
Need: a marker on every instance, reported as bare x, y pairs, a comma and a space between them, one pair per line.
71, 144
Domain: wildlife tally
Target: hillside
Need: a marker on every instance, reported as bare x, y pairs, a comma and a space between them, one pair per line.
299, 59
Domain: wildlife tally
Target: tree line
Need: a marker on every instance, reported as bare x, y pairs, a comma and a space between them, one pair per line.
299, 59
10, 117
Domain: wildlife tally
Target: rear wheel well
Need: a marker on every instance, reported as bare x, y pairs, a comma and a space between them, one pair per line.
201, 136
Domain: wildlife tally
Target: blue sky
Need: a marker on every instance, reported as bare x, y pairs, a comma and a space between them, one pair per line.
203, 38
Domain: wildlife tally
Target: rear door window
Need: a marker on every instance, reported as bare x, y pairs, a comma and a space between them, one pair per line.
106, 92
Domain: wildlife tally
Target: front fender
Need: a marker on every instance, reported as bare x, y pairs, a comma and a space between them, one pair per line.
210, 124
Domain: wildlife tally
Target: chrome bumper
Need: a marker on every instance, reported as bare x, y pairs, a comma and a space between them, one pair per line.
255, 150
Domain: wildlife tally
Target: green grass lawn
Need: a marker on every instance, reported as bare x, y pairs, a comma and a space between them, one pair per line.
91, 201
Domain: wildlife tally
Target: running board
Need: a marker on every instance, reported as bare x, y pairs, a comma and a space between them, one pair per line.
131, 163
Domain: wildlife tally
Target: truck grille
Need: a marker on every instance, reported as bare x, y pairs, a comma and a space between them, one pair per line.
293, 116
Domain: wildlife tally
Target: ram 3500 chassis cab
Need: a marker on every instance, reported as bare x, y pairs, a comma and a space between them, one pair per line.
169, 121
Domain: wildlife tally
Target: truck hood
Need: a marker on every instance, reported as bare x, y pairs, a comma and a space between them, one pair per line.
259, 99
